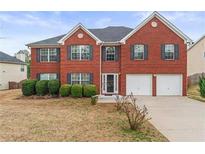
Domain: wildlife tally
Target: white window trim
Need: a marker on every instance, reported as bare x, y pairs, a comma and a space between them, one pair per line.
80, 46
80, 81
136, 52
171, 51
116, 83
109, 53
48, 75
48, 56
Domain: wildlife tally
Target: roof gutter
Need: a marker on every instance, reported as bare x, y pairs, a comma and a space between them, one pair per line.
43, 45
9, 62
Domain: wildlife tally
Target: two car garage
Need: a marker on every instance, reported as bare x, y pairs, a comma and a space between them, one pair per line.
142, 84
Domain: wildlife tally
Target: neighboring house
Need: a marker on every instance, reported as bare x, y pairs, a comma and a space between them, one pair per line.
148, 60
11, 69
196, 61
23, 55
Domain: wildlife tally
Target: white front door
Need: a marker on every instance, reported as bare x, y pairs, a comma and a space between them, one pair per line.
110, 83
139, 84
169, 84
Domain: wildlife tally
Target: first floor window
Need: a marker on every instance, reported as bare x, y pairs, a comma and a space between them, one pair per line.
48, 76
48, 54
80, 52
139, 51
80, 78
169, 52
110, 53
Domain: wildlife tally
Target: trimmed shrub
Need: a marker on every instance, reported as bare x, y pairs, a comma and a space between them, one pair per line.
65, 90
76, 90
89, 90
202, 86
53, 87
42, 87
28, 87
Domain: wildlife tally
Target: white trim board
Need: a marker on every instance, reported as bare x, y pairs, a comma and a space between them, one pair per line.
163, 20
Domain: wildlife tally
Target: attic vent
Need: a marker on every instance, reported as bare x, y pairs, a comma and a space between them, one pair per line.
154, 24
80, 35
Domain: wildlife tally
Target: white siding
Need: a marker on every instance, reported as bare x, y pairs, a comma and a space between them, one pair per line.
11, 72
196, 58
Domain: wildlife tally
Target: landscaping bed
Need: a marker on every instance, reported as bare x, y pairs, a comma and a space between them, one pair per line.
65, 119
194, 93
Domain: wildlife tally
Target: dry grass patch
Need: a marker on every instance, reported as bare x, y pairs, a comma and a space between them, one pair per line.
65, 119
194, 93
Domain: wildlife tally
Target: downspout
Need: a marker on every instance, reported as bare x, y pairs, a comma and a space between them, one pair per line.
100, 68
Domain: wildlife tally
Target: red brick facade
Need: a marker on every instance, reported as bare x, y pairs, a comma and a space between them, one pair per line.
149, 35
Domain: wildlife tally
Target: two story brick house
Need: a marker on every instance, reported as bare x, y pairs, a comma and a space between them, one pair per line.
148, 60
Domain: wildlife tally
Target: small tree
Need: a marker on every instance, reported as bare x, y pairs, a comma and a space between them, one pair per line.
136, 115
202, 85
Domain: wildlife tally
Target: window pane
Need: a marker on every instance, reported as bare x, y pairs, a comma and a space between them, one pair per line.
52, 76
44, 54
80, 52
110, 53
75, 52
80, 78
85, 78
139, 51
43, 76
53, 54
169, 51
85, 52
75, 78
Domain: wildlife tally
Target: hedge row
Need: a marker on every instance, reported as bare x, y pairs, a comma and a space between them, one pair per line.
52, 87
78, 90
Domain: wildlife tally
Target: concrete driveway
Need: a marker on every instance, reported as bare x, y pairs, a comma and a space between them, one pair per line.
178, 118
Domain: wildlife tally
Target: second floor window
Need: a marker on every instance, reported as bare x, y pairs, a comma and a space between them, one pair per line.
110, 53
169, 51
48, 55
139, 51
80, 52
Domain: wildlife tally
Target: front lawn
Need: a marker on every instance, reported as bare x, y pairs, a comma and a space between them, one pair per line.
65, 119
193, 92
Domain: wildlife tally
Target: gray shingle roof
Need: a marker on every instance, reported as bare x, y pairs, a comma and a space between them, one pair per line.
108, 34
111, 33
5, 58
49, 41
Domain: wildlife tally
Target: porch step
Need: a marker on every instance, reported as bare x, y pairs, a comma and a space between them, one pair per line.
106, 99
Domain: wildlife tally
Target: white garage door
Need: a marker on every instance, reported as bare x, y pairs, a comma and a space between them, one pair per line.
139, 84
169, 84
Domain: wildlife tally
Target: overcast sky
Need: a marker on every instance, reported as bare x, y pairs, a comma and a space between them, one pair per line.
20, 28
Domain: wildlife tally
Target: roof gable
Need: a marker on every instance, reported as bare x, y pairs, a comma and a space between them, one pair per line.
5, 58
72, 31
164, 21
199, 40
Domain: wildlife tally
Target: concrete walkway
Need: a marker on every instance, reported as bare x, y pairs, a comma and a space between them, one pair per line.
178, 118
